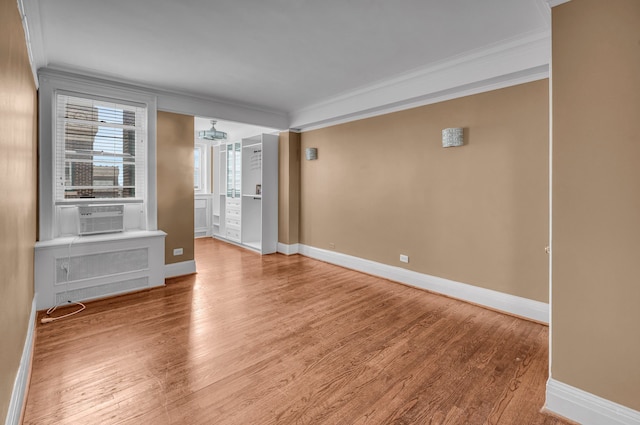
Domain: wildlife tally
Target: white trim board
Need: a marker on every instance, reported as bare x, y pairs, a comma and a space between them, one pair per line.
501, 65
179, 269
52, 83
511, 80
586, 408
530, 309
554, 3
178, 102
22, 377
30, 16
288, 249
505, 63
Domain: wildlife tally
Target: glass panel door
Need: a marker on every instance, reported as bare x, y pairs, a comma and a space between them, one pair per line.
238, 169
230, 176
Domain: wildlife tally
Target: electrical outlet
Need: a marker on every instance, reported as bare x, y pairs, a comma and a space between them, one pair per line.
332, 245
177, 251
404, 258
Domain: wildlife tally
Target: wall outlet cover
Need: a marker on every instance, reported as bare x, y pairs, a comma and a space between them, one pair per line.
404, 258
178, 251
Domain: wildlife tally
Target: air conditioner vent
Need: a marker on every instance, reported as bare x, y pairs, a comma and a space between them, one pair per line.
94, 219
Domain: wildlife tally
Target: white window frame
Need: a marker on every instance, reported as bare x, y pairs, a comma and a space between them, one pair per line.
205, 170
52, 82
198, 185
60, 160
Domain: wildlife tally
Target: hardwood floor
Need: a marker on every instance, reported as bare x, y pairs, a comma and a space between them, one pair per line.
274, 339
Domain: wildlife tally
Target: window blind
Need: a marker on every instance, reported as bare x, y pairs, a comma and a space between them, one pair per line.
100, 149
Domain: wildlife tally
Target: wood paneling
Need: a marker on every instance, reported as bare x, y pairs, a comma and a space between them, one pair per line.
274, 339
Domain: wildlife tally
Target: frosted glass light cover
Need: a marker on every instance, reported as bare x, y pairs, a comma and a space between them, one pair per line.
311, 154
452, 137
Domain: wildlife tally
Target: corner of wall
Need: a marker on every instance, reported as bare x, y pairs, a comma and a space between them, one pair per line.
289, 188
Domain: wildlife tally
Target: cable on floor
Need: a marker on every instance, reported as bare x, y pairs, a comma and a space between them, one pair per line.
67, 268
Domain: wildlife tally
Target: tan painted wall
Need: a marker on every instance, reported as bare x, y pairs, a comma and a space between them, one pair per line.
18, 144
596, 198
289, 188
175, 184
477, 214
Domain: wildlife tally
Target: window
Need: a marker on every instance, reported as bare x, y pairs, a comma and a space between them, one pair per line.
197, 168
201, 171
100, 149
97, 145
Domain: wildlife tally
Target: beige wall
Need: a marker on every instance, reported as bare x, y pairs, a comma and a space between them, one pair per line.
175, 184
477, 214
596, 198
289, 188
18, 143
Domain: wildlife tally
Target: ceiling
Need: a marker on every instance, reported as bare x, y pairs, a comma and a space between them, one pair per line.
293, 57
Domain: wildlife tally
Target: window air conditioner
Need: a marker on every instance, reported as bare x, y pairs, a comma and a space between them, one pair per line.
93, 219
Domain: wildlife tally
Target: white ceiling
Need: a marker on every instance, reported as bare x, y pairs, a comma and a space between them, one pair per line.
288, 56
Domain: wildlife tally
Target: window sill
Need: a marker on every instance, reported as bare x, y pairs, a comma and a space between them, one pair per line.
105, 237
84, 201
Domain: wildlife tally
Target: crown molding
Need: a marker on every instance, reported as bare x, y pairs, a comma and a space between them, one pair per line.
539, 73
30, 16
168, 100
554, 3
181, 103
504, 64
513, 62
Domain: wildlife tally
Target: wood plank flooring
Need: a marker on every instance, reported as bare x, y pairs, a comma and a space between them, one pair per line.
273, 339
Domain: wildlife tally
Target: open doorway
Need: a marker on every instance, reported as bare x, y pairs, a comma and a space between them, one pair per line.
210, 133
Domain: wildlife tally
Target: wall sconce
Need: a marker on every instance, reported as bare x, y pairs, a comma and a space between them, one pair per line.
452, 137
311, 154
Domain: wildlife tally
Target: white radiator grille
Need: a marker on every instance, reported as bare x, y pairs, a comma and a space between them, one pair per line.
102, 264
200, 218
99, 291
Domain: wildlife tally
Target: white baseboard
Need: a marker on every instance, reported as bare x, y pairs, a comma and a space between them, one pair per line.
288, 249
586, 408
22, 377
512, 304
179, 269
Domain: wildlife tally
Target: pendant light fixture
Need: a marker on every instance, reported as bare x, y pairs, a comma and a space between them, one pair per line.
212, 134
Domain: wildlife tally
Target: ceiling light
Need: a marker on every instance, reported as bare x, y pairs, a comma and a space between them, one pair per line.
212, 134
